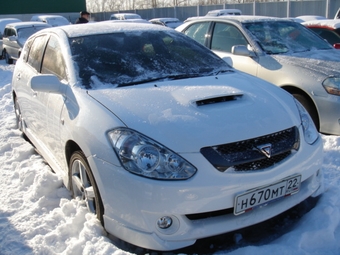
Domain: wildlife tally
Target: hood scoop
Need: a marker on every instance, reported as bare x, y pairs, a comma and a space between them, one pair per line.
219, 99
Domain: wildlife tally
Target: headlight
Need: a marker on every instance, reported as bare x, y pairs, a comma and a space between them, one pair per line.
144, 156
332, 85
309, 130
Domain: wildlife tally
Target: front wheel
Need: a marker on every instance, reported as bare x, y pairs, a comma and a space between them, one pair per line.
8, 58
83, 184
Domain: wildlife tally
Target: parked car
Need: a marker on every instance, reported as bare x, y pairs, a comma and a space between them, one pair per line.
328, 29
53, 20
3, 23
15, 36
127, 20
159, 137
224, 12
123, 16
282, 52
167, 22
305, 18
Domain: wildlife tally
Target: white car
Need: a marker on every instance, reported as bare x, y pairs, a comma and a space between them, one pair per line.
124, 16
159, 137
167, 22
3, 23
15, 36
223, 12
53, 20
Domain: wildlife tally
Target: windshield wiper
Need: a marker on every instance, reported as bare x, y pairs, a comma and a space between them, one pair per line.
170, 77
224, 71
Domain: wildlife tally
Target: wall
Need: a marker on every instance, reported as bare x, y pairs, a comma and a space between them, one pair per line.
42, 6
326, 8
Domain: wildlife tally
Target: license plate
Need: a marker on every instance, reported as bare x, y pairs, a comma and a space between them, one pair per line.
260, 196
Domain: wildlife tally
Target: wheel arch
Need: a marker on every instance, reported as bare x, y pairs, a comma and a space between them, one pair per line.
295, 90
70, 147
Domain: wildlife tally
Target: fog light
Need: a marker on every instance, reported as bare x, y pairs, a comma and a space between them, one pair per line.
164, 222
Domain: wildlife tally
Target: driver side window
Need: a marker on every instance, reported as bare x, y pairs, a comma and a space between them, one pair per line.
225, 36
198, 31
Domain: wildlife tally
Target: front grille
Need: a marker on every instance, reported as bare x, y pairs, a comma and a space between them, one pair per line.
247, 155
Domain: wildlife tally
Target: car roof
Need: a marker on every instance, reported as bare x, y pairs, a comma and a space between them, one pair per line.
305, 18
79, 30
224, 11
326, 23
238, 18
125, 13
164, 19
22, 24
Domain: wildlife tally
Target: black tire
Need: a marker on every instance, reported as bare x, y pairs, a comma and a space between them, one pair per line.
310, 109
83, 184
19, 123
8, 59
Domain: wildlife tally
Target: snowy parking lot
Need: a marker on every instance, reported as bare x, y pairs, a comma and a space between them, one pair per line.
38, 216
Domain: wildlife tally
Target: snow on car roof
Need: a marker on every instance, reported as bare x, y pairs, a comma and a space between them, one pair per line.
239, 18
330, 23
27, 24
164, 19
107, 27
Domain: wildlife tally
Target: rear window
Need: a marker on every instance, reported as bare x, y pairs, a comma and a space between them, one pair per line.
121, 59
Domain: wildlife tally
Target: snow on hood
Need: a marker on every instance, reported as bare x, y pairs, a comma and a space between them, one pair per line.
168, 111
318, 63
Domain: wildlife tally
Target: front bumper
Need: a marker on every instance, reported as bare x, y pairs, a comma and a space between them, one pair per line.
134, 204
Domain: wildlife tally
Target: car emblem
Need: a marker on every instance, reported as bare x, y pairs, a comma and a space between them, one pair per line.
265, 149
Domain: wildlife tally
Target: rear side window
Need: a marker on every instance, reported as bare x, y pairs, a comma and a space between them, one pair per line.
36, 52
198, 31
53, 61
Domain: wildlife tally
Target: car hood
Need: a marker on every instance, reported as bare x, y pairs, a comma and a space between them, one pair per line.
186, 115
320, 63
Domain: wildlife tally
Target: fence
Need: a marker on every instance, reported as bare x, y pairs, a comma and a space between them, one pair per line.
326, 8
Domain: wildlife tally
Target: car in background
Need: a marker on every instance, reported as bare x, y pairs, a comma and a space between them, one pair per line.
15, 36
167, 22
224, 12
305, 18
328, 29
3, 23
162, 140
282, 52
124, 16
53, 20
127, 21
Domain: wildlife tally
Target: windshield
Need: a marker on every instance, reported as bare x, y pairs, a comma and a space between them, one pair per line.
129, 58
277, 37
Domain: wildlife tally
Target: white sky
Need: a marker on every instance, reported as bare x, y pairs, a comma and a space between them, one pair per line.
38, 216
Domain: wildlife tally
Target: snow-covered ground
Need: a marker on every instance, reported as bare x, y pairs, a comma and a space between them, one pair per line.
38, 216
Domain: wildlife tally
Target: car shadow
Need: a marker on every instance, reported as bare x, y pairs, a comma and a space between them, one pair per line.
11, 240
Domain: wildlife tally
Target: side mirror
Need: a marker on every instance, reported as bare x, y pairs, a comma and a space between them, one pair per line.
48, 83
336, 46
242, 50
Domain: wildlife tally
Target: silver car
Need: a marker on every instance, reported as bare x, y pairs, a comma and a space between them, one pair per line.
282, 52
15, 36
